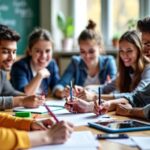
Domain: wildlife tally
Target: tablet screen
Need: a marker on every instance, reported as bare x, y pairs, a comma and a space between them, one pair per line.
122, 124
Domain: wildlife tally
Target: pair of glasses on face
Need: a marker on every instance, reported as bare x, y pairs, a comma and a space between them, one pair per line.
146, 44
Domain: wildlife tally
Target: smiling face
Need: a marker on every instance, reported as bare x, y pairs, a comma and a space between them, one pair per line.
7, 54
41, 53
128, 53
146, 43
89, 52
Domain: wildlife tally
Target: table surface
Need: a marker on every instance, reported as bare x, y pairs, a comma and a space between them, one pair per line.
104, 144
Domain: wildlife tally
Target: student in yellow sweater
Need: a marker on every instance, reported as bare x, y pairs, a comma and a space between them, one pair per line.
15, 133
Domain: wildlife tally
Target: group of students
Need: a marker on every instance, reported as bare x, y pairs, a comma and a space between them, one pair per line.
132, 80
37, 72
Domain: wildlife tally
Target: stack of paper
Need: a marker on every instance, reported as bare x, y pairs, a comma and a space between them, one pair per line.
78, 141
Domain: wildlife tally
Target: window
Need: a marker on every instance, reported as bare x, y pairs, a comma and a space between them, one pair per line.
123, 12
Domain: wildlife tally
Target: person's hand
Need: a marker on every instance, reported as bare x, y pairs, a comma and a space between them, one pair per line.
32, 101
86, 95
43, 73
79, 105
41, 125
101, 109
123, 109
77, 89
59, 133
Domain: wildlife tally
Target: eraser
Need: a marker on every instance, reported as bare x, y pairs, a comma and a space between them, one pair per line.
23, 114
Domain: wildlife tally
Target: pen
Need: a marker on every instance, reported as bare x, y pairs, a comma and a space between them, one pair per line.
71, 92
51, 113
99, 95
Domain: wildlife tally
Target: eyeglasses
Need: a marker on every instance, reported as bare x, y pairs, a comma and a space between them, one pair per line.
146, 44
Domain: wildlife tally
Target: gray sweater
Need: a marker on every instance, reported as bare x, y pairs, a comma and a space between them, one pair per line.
6, 92
145, 80
140, 98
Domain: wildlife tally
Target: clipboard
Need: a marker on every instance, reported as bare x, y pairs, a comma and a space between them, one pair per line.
120, 126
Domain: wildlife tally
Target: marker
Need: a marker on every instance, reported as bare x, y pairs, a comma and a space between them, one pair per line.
51, 113
71, 92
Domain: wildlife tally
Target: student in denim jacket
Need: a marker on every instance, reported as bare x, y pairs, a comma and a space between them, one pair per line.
90, 68
37, 71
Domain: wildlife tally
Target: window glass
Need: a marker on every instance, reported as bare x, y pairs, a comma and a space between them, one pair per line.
125, 15
94, 12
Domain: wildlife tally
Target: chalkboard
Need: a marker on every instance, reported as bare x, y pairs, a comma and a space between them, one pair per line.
21, 15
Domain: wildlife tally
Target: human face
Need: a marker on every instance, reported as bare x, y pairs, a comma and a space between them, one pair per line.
7, 54
146, 43
128, 54
41, 53
89, 52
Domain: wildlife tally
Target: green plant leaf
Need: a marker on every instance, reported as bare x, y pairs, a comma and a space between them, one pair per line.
66, 25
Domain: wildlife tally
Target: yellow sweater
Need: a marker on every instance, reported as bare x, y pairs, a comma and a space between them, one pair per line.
10, 138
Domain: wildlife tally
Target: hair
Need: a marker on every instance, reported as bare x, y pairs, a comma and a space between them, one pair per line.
90, 34
124, 81
36, 35
143, 25
8, 34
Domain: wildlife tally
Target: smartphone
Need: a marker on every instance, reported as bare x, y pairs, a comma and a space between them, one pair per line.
112, 136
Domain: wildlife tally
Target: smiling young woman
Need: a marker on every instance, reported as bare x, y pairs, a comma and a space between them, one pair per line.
36, 72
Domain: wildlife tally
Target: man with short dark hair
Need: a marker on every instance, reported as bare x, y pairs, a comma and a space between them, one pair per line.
9, 97
143, 26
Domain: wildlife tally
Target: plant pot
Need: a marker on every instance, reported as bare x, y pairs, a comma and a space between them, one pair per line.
67, 44
115, 43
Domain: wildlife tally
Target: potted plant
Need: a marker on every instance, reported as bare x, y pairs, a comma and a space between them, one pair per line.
131, 23
66, 26
115, 40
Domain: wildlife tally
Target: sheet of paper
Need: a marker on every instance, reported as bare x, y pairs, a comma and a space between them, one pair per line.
80, 119
142, 142
83, 140
39, 110
128, 141
55, 103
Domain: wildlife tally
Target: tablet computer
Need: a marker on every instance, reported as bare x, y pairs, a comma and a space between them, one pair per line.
120, 126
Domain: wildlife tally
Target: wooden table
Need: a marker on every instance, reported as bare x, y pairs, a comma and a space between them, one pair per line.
107, 145
104, 144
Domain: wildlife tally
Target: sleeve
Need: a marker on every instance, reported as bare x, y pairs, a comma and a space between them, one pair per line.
19, 77
13, 139
145, 80
8, 89
9, 121
55, 76
67, 76
6, 102
108, 87
146, 110
112, 69
139, 98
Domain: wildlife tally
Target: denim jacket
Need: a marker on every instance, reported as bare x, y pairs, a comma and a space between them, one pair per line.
21, 75
77, 71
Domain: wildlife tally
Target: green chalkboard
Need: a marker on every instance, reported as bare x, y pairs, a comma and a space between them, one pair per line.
21, 15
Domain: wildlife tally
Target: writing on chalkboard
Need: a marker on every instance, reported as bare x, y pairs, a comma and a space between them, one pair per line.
21, 15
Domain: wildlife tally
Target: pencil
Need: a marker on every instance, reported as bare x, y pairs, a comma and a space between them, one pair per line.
51, 113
